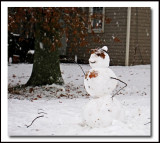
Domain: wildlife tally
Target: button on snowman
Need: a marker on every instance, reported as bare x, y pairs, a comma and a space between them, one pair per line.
100, 82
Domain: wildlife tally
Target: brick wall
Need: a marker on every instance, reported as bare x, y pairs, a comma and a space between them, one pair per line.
140, 36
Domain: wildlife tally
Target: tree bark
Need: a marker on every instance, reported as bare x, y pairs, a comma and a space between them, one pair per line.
46, 66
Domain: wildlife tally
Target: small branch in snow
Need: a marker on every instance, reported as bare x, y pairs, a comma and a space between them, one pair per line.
40, 109
42, 112
121, 88
34, 120
147, 123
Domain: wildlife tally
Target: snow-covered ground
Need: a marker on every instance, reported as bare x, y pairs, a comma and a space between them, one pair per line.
58, 110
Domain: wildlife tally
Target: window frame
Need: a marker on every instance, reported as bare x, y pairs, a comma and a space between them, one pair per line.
96, 30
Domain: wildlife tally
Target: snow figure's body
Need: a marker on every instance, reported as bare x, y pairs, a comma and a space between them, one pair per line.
101, 112
100, 81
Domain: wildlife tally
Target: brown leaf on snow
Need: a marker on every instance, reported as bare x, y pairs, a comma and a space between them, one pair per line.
39, 96
93, 74
62, 95
31, 90
79, 91
67, 90
86, 74
14, 75
13, 91
59, 90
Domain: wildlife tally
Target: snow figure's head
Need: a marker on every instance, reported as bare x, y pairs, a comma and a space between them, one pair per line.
99, 58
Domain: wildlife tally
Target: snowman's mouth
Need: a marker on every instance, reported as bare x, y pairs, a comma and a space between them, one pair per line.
93, 62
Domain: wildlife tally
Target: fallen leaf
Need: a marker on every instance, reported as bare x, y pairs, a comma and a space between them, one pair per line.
31, 90
79, 91
86, 74
62, 95
39, 96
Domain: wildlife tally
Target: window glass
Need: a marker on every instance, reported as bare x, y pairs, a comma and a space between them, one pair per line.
96, 19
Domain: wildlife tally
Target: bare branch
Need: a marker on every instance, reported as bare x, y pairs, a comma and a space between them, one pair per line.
42, 112
147, 123
34, 120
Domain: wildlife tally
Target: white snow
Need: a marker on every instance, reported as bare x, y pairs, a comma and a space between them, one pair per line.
31, 52
10, 60
62, 107
16, 55
75, 58
41, 45
105, 48
15, 34
113, 37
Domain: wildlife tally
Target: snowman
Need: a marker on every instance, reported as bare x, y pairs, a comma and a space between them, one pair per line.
100, 81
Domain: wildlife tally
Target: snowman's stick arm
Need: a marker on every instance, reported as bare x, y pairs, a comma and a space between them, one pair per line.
121, 88
80, 67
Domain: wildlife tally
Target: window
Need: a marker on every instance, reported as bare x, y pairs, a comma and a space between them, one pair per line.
96, 19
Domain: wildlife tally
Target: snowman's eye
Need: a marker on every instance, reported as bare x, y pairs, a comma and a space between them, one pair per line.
98, 54
102, 55
93, 51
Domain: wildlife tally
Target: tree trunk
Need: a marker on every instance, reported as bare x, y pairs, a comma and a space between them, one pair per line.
46, 66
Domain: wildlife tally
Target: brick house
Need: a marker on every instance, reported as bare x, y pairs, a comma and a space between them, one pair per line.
127, 33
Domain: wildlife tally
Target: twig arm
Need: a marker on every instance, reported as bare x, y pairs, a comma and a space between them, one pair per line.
121, 88
80, 67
